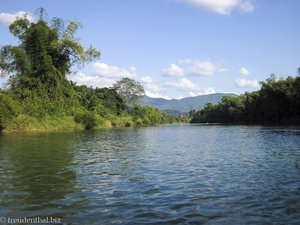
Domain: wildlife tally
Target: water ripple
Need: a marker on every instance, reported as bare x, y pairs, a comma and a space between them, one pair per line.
165, 175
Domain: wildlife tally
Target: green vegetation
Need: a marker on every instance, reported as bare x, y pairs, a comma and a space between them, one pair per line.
131, 92
39, 96
278, 101
146, 116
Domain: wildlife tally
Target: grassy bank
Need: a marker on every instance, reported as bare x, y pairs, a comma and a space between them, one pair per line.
25, 123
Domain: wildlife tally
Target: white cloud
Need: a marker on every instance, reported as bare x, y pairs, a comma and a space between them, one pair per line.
182, 84
243, 83
173, 71
156, 95
9, 18
246, 7
190, 67
91, 81
244, 71
104, 70
152, 89
209, 90
179, 97
102, 75
206, 91
146, 80
193, 94
200, 68
223, 7
222, 70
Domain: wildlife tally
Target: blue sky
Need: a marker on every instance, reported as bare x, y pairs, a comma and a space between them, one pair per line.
178, 48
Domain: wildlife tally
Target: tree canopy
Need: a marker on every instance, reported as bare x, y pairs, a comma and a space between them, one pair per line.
278, 101
131, 91
46, 52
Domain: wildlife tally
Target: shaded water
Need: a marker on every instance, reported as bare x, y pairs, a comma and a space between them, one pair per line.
177, 174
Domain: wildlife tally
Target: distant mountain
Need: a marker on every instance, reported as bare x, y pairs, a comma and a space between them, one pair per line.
185, 105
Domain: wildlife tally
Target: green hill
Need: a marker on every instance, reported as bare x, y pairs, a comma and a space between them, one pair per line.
184, 105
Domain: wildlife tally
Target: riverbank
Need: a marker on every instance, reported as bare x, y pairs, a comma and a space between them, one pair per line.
25, 123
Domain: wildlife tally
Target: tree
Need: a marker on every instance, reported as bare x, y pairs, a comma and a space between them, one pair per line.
146, 115
130, 90
46, 52
278, 101
38, 65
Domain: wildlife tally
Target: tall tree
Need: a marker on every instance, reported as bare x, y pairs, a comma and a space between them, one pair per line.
130, 90
46, 52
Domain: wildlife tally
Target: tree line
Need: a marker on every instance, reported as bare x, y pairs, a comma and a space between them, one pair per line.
40, 97
277, 101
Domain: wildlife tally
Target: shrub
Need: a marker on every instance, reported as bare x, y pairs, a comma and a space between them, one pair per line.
88, 119
146, 116
8, 110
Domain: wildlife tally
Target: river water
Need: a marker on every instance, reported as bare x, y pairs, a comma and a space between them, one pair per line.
172, 174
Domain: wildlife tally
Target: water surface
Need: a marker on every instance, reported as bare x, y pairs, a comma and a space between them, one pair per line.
174, 174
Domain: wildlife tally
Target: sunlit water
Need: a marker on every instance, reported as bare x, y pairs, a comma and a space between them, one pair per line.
175, 174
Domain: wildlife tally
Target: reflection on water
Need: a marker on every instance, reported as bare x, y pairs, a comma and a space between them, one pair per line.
180, 174
34, 173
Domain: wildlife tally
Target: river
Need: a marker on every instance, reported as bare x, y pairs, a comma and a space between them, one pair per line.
171, 174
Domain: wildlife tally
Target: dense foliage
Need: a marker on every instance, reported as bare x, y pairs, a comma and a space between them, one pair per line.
278, 101
40, 97
146, 116
130, 90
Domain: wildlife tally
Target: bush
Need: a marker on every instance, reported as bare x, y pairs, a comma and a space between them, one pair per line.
8, 110
88, 119
23, 122
123, 120
146, 116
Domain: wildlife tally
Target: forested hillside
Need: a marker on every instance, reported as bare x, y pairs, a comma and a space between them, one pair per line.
278, 101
